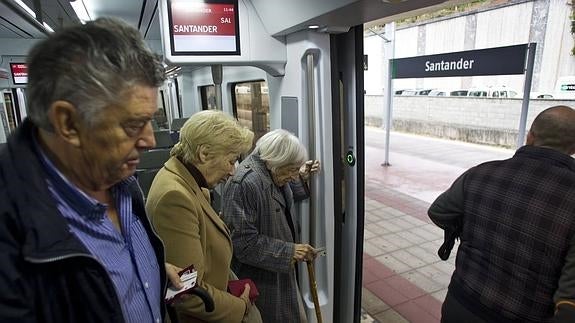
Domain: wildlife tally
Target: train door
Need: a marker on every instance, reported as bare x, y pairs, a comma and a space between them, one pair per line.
348, 171
327, 115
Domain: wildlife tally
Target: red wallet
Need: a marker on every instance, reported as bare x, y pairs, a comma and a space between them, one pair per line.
236, 287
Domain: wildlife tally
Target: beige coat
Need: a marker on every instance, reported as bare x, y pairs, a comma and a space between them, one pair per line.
193, 233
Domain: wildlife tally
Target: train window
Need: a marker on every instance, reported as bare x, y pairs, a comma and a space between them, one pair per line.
9, 110
252, 106
160, 120
208, 97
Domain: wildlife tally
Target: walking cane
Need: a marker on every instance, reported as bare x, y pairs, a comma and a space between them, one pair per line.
313, 288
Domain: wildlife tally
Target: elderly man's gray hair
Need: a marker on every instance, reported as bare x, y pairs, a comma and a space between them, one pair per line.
279, 148
91, 66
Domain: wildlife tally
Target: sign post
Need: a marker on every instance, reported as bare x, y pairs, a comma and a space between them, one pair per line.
390, 30
526, 94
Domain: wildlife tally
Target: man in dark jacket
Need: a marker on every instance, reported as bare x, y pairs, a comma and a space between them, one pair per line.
516, 222
76, 245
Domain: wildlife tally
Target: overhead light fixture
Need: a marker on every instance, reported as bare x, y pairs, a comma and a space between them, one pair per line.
25, 7
48, 28
80, 10
313, 26
33, 14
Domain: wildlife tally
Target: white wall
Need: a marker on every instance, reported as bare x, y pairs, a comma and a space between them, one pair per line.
373, 48
504, 26
460, 111
405, 46
441, 37
557, 60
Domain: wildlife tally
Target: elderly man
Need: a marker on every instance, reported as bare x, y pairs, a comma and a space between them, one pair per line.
76, 243
516, 222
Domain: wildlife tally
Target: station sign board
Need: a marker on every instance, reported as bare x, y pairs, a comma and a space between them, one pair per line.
204, 27
508, 60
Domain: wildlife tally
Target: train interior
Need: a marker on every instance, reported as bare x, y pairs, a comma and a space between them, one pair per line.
297, 65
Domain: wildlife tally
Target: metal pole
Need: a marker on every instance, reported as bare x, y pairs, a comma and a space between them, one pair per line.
168, 110
526, 93
311, 135
310, 76
389, 91
217, 74
311, 104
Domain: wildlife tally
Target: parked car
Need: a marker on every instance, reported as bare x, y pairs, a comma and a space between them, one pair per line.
565, 88
415, 92
493, 92
539, 95
423, 92
408, 92
448, 92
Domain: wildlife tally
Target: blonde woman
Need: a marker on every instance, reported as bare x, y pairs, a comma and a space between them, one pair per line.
179, 205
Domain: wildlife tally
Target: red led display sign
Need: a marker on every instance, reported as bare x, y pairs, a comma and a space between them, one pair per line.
208, 27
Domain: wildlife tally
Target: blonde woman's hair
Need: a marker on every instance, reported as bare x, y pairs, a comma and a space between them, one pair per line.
279, 148
218, 132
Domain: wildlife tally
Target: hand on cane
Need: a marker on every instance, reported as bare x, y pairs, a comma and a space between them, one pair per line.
303, 252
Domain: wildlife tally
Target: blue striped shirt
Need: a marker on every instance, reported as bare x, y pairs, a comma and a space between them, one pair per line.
128, 256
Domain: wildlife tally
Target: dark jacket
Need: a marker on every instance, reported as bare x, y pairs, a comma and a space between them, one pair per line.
517, 250
254, 209
46, 274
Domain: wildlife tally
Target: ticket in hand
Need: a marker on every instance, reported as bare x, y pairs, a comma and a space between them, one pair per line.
189, 277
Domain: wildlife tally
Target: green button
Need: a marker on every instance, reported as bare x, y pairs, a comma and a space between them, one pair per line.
350, 158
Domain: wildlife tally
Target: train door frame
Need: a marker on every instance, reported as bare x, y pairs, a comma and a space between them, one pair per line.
348, 148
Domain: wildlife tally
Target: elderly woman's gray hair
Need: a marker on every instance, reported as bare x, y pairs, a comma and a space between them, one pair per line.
218, 132
279, 148
91, 66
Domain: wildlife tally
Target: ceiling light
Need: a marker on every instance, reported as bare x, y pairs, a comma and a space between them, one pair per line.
33, 14
80, 10
313, 26
48, 28
25, 7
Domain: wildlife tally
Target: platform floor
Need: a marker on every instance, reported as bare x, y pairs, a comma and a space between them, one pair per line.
403, 278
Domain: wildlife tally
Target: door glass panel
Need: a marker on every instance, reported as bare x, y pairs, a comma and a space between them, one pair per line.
252, 106
208, 97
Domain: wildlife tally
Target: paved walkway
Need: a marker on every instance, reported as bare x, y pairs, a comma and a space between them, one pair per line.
403, 278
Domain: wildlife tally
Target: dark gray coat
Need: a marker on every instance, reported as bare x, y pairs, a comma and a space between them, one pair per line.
254, 210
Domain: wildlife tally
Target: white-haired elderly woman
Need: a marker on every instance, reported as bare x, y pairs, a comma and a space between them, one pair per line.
179, 206
258, 209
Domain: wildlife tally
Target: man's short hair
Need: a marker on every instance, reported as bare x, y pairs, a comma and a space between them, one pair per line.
555, 128
91, 66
